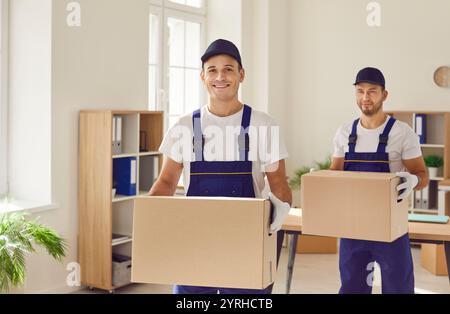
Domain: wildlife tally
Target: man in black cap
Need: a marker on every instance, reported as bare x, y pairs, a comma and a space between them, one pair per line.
237, 169
377, 142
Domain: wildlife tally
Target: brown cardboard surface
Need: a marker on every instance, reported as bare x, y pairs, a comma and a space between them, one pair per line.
432, 258
316, 245
216, 242
355, 205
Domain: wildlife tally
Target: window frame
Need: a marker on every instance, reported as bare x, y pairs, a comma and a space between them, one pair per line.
4, 48
165, 10
189, 18
181, 7
158, 11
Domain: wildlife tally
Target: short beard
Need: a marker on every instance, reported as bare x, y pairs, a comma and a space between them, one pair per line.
371, 113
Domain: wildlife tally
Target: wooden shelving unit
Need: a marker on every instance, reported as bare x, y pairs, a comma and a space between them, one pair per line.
101, 214
437, 143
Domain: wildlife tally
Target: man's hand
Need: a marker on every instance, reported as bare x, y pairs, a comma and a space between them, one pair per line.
407, 184
281, 211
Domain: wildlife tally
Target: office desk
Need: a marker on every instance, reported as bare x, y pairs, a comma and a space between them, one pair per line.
418, 233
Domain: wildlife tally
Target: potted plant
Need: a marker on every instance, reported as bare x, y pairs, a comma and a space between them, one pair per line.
17, 236
433, 163
295, 182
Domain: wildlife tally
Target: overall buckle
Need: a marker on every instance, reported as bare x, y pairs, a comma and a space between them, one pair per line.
384, 139
352, 139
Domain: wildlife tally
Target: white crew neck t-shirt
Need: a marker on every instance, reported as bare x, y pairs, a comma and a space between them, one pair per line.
403, 143
266, 143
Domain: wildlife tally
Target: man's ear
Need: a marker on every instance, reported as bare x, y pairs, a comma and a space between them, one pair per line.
202, 75
242, 75
385, 95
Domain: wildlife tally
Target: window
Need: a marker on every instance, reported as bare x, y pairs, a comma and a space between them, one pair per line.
177, 39
3, 96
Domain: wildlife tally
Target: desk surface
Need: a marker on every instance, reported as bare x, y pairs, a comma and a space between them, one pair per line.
417, 230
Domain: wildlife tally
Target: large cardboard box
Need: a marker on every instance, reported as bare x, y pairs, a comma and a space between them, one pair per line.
432, 258
316, 245
215, 242
354, 205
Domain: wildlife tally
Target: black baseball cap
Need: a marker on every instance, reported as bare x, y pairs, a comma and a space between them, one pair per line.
372, 76
222, 47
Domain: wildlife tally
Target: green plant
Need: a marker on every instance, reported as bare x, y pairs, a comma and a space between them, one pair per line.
434, 161
17, 236
296, 181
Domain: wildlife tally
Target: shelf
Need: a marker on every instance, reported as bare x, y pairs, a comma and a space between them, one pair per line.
124, 156
437, 179
150, 131
122, 242
154, 153
128, 130
140, 134
432, 145
121, 198
149, 167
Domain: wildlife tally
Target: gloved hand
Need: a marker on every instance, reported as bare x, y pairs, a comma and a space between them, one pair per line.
281, 211
407, 184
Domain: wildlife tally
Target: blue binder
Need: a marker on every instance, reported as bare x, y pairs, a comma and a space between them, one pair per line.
421, 127
124, 175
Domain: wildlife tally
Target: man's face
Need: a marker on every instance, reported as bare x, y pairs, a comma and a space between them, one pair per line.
222, 77
370, 98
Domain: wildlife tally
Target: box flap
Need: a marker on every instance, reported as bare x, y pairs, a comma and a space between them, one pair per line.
353, 174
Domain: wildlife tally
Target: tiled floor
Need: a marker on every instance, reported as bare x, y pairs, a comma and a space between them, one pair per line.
314, 274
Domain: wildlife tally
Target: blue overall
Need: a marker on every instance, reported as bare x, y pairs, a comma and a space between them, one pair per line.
356, 257
226, 179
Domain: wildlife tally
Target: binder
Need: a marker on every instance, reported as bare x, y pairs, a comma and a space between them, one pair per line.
441, 202
117, 136
119, 129
124, 174
421, 127
417, 199
155, 169
426, 198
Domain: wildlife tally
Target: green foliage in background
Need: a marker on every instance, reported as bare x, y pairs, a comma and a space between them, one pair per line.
295, 182
434, 161
17, 236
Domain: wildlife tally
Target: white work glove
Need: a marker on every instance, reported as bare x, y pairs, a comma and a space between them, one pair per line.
408, 183
281, 211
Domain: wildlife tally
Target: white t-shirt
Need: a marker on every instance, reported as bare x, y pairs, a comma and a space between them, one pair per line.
221, 144
403, 143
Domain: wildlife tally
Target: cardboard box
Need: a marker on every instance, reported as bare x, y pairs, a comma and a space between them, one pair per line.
354, 205
432, 258
214, 242
316, 245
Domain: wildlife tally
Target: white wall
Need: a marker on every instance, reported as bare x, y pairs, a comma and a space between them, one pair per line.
330, 42
101, 65
218, 21
30, 100
4, 9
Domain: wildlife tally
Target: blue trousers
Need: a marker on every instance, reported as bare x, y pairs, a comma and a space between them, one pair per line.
356, 259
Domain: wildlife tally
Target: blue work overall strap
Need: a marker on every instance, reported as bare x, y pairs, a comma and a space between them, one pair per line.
199, 140
384, 137
353, 137
244, 140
